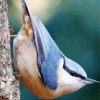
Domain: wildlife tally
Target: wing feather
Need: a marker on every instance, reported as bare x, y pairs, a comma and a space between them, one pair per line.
48, 52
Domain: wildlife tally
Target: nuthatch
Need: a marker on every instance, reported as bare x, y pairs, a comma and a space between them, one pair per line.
43, 68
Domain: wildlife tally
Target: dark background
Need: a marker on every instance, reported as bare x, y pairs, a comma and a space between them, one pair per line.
75, 27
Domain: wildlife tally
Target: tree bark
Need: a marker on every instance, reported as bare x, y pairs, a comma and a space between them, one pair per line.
9, 86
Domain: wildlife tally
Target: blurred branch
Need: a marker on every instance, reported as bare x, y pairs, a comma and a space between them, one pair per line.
9, 86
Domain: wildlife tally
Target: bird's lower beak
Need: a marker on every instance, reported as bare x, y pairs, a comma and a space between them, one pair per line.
91, 81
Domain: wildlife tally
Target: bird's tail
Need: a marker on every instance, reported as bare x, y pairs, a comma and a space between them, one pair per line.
25, 7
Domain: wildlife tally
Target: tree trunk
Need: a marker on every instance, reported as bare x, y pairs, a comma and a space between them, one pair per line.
9, 86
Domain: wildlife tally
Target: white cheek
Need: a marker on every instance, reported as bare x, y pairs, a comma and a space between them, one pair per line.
67, 81
64, 78
62, 75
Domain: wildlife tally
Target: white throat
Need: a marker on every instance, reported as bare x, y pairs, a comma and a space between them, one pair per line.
66, 82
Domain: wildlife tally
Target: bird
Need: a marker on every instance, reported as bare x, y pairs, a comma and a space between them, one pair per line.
43, 67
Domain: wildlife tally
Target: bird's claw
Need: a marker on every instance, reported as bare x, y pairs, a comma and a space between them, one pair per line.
11, 28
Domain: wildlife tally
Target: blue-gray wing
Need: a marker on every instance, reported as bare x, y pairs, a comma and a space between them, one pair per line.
48, 54
47, 50
41, 35
42, 39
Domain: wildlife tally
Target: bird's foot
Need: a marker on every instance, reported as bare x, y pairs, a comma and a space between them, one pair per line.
11, 28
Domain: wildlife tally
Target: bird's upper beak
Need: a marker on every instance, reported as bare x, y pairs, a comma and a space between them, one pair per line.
91, 81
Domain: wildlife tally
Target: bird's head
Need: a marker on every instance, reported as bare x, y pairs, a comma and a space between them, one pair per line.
72, 76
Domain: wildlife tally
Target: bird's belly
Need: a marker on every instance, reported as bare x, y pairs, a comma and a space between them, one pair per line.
26, 62
25, 56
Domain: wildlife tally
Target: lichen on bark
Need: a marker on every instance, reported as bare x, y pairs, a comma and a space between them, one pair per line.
9, 86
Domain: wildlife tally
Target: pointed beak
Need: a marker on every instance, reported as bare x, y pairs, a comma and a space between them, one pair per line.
91, 81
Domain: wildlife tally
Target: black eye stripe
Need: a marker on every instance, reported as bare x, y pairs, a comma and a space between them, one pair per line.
73, 73
77, 75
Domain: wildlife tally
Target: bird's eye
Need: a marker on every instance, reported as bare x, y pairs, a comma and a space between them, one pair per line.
77, 75
73, 73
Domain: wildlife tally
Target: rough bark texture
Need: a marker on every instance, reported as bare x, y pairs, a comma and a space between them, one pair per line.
9, 86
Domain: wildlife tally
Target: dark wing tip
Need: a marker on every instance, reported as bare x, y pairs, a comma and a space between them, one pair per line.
24, 5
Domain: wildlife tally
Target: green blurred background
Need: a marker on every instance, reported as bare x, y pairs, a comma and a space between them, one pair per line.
75, 26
